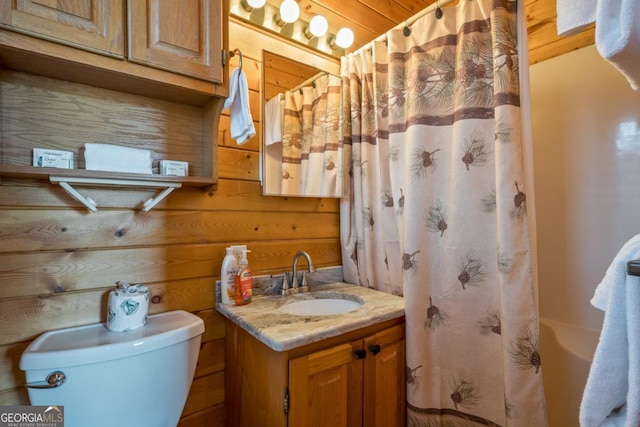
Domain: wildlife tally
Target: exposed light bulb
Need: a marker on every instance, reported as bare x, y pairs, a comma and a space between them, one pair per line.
344, 37
249, 5
289, 11
318, 26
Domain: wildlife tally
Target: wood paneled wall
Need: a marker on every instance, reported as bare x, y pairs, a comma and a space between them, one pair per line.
58, 262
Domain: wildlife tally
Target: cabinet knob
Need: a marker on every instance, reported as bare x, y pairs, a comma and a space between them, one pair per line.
360, 353
374, 349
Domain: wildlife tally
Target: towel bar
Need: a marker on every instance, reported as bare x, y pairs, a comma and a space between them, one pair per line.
633, 268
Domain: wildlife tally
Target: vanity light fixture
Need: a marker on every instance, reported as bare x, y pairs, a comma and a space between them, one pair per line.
344, 38
289, 11
284, 17
249, 5
318, 27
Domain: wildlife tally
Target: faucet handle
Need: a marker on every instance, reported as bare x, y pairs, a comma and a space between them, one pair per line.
304, 287
285, 283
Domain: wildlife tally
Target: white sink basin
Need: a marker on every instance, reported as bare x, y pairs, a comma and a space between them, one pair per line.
320, 307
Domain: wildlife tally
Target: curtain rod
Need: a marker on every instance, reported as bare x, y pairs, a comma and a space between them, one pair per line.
309, 80
408, 22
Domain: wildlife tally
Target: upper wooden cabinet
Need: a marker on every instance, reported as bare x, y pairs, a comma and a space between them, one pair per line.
167, 50
182, 36
94, 25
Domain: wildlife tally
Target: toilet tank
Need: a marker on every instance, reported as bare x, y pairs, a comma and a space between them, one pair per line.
139, 378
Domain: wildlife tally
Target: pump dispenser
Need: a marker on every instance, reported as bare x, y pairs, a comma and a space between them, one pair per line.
243, 285
228, 277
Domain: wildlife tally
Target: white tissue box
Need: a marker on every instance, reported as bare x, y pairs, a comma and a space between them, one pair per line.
44, 158
174, 168
116, 158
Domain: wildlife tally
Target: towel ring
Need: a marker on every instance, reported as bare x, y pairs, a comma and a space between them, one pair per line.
233, 53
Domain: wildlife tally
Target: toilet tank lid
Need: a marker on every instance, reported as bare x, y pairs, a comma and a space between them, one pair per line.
95, 343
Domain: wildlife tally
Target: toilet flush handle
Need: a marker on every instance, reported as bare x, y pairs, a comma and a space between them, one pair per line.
54, 379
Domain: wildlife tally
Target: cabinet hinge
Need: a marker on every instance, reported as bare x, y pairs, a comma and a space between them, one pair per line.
224, 58
286, 401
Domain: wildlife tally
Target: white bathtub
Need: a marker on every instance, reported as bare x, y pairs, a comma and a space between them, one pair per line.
566, 351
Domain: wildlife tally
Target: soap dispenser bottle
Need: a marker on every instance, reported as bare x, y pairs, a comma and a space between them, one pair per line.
243, 284
228, 276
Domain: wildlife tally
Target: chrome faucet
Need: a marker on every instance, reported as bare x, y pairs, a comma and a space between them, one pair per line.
302, 287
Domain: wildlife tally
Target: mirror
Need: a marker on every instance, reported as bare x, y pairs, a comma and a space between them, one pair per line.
301, 144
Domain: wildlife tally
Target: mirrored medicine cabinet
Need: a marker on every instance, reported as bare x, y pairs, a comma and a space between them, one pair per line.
301, 149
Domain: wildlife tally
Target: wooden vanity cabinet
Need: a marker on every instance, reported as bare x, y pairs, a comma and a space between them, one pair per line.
357, 379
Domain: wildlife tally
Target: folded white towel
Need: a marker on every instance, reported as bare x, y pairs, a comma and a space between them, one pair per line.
574, 15
242, 128
612, 393
618, 36
116, 158
273, 116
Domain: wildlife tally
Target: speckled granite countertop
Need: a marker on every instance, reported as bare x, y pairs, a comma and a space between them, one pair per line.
281, 331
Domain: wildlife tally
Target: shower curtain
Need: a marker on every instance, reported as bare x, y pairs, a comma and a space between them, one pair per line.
311, 140
435, 210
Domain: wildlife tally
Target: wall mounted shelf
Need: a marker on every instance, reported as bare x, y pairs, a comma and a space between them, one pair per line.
65, 183
67, 178
30, 172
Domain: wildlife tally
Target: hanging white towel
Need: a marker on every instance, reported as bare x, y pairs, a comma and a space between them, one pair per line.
273, 112
612, 393
618, 36
574, 15
242, 128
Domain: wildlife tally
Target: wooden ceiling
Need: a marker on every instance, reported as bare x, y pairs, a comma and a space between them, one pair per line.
371, 18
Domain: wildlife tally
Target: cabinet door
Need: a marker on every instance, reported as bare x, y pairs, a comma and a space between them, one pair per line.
182, 36
318, 388
384, 379
95, 25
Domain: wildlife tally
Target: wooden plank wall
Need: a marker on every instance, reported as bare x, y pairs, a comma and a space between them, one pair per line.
544, 42
58, 262
281, 74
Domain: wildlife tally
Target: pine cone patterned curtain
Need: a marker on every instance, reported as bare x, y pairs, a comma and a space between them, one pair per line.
435, 210
311, 143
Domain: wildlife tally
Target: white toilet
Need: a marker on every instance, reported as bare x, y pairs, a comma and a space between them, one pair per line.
125, 379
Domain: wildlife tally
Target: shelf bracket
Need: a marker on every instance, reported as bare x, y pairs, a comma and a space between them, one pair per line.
65, 183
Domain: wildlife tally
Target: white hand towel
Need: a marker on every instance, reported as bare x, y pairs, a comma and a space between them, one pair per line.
273, 112
612, 393
116, 158
242, 128
618, 36
574, 15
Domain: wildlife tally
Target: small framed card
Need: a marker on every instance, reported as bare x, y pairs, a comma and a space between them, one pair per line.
174, 168
45, 158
